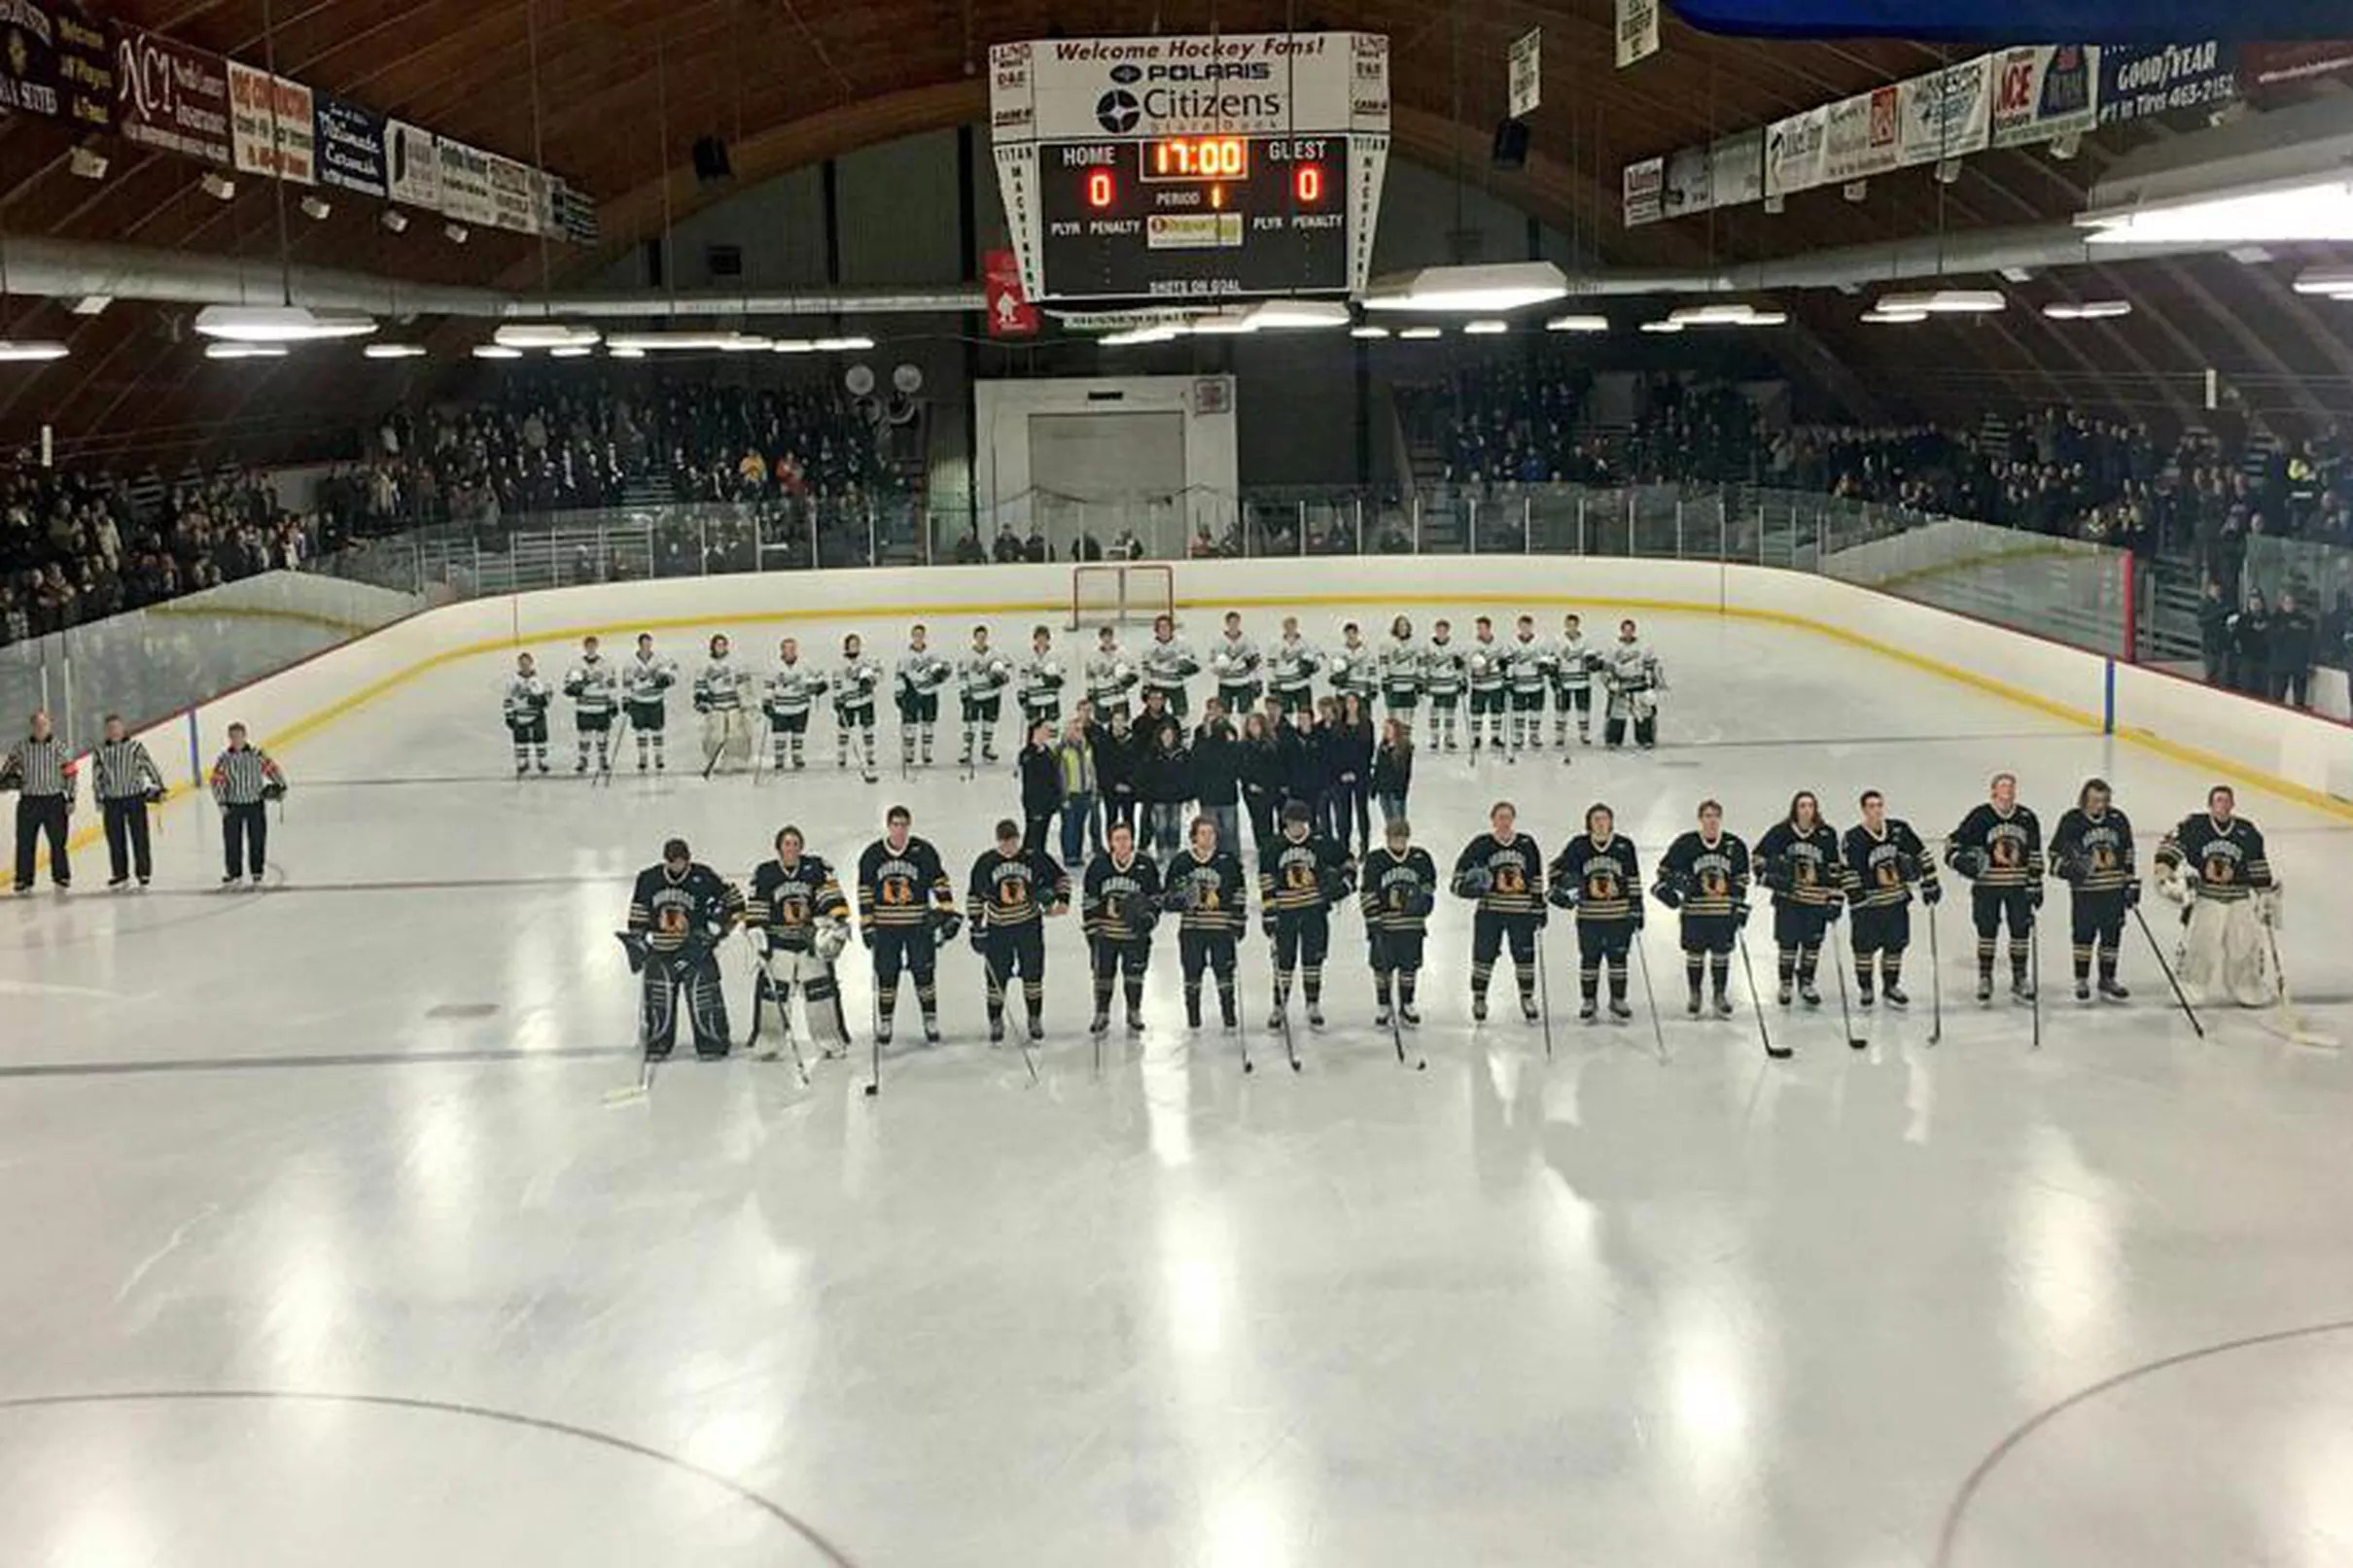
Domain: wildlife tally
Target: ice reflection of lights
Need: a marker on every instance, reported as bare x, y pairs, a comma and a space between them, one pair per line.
2065, 1251
1167, 1108
103, 1533
732, 1441
1197, 1277
307, 1312
1245, 1530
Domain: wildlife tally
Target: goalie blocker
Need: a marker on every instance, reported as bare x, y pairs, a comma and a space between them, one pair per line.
2213, 865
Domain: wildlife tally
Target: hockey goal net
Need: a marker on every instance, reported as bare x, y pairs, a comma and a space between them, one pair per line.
1121, 593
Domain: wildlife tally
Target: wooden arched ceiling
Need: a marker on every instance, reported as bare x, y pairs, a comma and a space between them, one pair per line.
611, 93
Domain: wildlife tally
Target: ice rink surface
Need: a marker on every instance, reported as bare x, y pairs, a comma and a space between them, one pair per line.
322, 1246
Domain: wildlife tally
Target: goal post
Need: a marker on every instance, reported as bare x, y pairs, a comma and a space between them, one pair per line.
1121, 593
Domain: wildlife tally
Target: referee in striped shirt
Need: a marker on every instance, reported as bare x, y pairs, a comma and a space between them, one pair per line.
42, 770
126, 782
243, 777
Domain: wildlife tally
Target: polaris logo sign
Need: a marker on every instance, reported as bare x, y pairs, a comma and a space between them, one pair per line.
1231, 84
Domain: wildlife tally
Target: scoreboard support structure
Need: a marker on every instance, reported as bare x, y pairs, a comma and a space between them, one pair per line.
1121, 593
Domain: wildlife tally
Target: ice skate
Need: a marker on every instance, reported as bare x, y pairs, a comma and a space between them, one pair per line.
1723, 1005
1617, 1009
1895, 995
1589, 1012
2113, 991
1692, 1007
1806, 994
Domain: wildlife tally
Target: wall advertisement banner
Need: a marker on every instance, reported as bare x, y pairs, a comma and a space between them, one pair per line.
1690, 182
2141, 80
170, 98
2043, 92
515, 203
1860, 140
270, 125
55, 62
350, 143
1646, 191
412, 165
1797, 152
1943, 113
465, 182
1736, 169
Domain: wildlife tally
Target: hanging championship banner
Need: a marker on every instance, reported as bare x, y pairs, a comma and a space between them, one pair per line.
2043, 92
350, 143
1943, 113
1644, 191
1860, 140
55, 63
574, 214
1796, 152
170, 98
1638, 31
1526, 71
86, 70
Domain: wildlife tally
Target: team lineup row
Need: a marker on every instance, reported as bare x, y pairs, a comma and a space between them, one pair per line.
905, 909
1496, 688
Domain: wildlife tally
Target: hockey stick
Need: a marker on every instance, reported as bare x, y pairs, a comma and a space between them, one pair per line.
1936, 983
1650, 997
725, 727
1290, 1047
1854, 1041
2297, 1031
2166, 969
2034, 974
614, 737
875, 1041
764, 987
1756, 1000
1544, 994
1102, 1004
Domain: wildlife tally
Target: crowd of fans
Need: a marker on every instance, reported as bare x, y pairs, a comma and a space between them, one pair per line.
561, 447
78, 547
2058, 471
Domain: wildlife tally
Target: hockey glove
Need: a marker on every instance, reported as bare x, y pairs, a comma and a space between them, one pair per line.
633, 943
1739, 911
1420, 903
1176, 900
1337, 886
1776, 877
1473, 883
2071, 869
1267, 926
1142, 918
1638, 916
2132, 893
702, 704
865, 934
945, 924
1667, 893
980, 937
1932, 893
273, 790
1832, 910
1542, 918
1563, 895
1970, 862
2034, 895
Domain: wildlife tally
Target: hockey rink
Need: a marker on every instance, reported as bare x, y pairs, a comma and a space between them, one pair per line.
323, 1244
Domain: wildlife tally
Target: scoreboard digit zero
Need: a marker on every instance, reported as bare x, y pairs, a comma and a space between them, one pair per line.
1168, 169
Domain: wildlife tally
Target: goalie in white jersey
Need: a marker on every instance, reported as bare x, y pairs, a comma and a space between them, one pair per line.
792, 695
718, 697
1634, 680
2215, 866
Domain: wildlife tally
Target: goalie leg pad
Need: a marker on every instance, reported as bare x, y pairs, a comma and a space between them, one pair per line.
657, 1010
706, 1005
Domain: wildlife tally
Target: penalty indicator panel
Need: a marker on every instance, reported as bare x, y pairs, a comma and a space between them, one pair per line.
1174, 169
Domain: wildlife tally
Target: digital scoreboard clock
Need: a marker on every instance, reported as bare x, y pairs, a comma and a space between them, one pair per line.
1167, 169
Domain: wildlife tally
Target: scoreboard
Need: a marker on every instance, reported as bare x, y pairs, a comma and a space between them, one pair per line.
1174, 169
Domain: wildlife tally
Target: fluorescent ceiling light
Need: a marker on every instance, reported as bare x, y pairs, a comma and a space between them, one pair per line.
1893, 318
316, 209
1138, 337
2088, 310
792, 345
1368, 331
1485, 329
1577, 324
30, 350
2330, 282
675, 343
844, 345
1662, 326
1222, 323
1507, 285
278, 323
1945, 303
1727, 315
622, 351
744, 343
92, 304
393, 351
546, 335
496, 350
455, 234
2303, 214
244, 351
570, 351
1301, 315
1422, 334
219, 186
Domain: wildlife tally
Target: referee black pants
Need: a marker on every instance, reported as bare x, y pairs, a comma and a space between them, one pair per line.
37, 816
244, 830
126, 838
